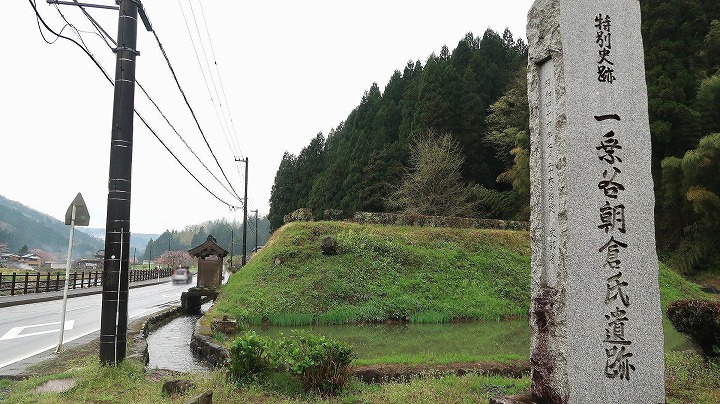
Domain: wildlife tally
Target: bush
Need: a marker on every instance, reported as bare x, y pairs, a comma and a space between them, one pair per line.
699, 319
322, 364
250, 356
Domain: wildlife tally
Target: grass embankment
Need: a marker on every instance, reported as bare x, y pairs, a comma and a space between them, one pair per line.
416, 274
382, 273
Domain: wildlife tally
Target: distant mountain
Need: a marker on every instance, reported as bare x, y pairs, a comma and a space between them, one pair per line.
22, 226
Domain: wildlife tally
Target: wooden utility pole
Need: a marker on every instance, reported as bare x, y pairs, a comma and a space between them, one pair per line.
256, 228
244, 256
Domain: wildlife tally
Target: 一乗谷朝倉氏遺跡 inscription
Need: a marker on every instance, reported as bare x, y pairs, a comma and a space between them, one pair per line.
596, 319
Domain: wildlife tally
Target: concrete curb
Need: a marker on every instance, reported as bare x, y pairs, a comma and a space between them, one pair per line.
209, 351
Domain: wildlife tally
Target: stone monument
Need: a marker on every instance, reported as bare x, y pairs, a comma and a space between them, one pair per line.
595, 314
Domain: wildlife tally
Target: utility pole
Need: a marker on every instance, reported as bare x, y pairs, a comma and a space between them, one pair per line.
168, 256
256, 228
244, 256
232, 246
114, 312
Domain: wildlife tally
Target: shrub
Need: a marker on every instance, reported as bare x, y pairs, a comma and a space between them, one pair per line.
321, 364
699, 319
249, 356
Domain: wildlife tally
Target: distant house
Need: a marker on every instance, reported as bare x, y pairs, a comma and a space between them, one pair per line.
5, 258
32, 260
89, 264
57, 265
10, 257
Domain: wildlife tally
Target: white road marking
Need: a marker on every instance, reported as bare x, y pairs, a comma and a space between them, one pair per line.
47, 348
80, 308
15, 332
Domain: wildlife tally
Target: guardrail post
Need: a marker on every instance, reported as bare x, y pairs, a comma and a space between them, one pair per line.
12, 290
47, 284
57, 281
37, 282
26, 284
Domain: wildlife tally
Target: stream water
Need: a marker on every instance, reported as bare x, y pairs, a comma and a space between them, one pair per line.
169, 345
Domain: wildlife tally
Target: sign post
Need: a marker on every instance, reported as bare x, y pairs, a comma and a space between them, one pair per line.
76, 215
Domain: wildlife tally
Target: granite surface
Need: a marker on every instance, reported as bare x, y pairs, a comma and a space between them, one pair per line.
596, 318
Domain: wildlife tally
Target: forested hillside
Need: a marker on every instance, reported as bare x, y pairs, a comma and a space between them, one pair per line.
354, 168
477, 94
224, 232
22, 226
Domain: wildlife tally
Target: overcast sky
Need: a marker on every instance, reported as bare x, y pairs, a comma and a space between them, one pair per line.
288, 70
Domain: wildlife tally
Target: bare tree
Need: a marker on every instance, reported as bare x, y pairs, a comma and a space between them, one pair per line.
433, 184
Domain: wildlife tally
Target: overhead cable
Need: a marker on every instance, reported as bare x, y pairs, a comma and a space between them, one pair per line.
107, 37
192, 112
107, 76
222, 87
223, 120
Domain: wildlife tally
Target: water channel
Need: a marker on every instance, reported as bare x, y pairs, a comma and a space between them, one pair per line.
169, 345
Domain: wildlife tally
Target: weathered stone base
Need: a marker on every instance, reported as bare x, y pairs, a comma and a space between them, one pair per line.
196, 297
522, 399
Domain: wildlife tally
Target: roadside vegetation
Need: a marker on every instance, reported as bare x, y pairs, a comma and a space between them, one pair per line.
689, 380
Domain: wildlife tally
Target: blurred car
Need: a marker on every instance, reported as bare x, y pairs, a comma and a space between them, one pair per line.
182, 275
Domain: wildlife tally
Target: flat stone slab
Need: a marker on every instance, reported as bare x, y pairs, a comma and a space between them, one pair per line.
56, 386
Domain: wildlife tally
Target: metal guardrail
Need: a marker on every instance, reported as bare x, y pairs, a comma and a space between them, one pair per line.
36, 282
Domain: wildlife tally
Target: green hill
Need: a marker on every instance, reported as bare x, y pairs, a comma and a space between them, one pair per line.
20, 225
391, 273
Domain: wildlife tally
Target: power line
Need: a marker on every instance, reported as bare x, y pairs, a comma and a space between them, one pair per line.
223, 120
107, 37
172, 70
107, 76
222, 87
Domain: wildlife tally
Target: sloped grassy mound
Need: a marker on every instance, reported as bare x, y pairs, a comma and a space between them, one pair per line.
386, 272
381, 273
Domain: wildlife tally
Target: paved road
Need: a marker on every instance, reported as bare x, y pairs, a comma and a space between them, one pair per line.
28, 330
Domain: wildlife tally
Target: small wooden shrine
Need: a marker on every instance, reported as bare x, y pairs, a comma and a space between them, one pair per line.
209, 277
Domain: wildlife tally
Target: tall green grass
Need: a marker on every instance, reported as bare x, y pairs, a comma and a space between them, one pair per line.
429, 317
